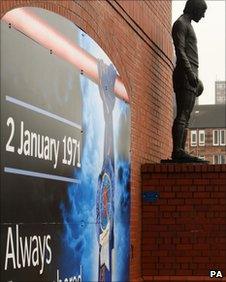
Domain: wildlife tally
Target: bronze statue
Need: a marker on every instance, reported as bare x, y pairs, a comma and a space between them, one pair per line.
187, 86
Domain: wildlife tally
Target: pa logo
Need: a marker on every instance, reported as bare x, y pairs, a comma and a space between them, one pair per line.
216, 274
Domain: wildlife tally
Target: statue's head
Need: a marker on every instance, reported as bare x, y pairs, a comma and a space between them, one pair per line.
196, 9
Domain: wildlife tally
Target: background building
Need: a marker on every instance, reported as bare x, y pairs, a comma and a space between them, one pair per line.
207, 133
207, 130
220, 92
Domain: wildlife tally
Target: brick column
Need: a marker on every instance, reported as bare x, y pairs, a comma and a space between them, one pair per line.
184, 231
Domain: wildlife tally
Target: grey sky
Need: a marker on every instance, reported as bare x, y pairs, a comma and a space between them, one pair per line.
210, 33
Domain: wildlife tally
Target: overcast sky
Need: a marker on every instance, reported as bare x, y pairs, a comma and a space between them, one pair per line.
210, 32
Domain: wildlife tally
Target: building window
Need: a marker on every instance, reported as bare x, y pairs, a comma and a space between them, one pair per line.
215, 159
222, 159
223, 137
193, 138
201, 137
215, 137
219, 159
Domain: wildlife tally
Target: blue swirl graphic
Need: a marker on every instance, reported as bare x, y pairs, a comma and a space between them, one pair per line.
79, 238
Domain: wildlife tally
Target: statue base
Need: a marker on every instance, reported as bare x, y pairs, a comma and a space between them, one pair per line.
183, 161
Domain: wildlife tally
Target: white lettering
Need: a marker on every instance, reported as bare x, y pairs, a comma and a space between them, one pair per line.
42, 252
35, 253
45, 148
10, 148
77, 278
27, 143
17, 247
20, 149
25, 251
56, 152
219, 274
34, 142
216, 274
10, 255
38, 146
33, 250
48, 260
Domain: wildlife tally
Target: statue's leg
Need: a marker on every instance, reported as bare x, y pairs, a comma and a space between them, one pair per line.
178, 137
185, 99
190, 102
180, 128
185, 138
185, 103
179, 124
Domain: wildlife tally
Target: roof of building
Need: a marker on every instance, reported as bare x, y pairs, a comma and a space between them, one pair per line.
208, 116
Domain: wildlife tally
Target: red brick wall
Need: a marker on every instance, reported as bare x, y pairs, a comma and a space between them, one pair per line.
136, 36
184, 231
